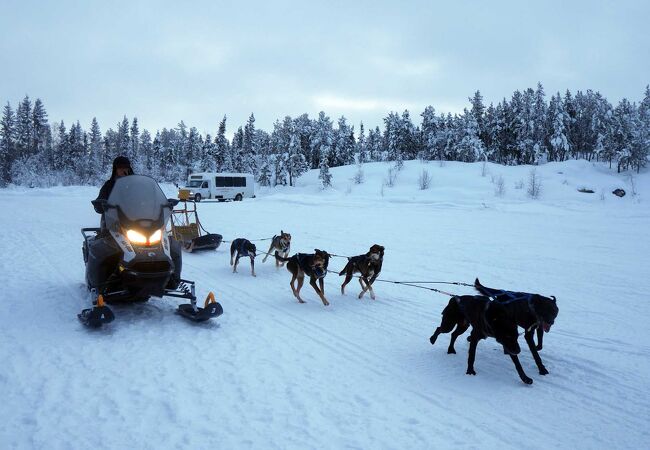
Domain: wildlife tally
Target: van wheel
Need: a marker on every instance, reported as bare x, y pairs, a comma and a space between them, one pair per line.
238, 198
197, 197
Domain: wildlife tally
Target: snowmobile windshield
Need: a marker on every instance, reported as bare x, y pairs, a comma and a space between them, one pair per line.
139, 203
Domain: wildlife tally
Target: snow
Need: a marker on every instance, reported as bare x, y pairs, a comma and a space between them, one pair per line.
272, 373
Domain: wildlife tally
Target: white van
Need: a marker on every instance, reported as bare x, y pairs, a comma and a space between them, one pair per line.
220, 186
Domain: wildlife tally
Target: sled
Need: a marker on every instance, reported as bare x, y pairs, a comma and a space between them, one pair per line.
187, 229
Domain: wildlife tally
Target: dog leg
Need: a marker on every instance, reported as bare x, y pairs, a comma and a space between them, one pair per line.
267, 253
370, 283
312, 281
520, 370
348, 277
473, 343
253, 266
321, 282
363, 288
234, 269
538, 360
460, 329
301, 280
540, 337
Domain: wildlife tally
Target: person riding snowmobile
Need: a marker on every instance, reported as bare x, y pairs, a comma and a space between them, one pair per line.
121, 168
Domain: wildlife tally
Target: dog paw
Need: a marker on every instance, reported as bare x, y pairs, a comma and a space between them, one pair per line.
543, 371
432, 339
527, 380
471, 372
538, 348
452, 351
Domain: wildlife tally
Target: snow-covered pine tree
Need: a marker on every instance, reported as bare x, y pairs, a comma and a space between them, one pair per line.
123, 139
146, 150
540, 130
343, 150
250, 146
429, 133
322, 139
408, 140
470, 146
391, 136
236, 150
478, 111
61, 150
23, 130
264, 176
362, 149
642, 138
558, 141
569, 120
40, 128
7, 142
296, 162
221, 149
133, 149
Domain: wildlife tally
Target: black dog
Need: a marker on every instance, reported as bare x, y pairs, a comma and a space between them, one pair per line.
488, 319
368, 265
242, 247
530, 311
313, 265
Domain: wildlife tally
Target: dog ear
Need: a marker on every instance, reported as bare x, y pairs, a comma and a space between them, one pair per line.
281, 232
553, 298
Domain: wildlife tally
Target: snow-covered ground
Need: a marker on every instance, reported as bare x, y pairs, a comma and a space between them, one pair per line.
272, 373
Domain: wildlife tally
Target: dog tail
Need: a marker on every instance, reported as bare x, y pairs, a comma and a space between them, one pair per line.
479, 287
345, 269
280, 258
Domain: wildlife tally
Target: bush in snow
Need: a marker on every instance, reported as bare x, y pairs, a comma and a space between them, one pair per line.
534, 184
519, 184
424, 181
484, 169
358, 176
499, 186
392, 176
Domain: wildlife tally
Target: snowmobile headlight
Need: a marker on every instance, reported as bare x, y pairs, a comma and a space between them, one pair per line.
135, 237
155, 237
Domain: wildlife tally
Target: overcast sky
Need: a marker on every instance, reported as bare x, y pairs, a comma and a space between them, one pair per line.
196, 61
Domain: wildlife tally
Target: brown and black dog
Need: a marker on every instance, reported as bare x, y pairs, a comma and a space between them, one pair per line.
368, 266
313, 265
282, 244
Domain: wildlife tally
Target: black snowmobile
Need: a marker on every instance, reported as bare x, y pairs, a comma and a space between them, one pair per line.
133, 257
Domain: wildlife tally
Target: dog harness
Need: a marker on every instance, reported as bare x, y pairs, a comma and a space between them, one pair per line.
517, 297
242, 250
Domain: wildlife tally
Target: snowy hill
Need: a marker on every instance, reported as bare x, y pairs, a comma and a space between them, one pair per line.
272, 373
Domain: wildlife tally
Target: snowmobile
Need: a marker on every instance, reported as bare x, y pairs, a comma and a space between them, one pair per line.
132, 257
187, 229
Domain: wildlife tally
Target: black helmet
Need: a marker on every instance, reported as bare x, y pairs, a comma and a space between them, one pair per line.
121, 161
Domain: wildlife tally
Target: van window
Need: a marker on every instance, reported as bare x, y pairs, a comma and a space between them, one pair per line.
194, 183
239, 181
205, 184
223, 181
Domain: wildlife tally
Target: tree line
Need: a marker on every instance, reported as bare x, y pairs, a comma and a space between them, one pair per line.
526, 129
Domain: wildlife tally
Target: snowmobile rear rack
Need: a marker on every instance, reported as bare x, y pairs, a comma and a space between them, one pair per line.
187, 229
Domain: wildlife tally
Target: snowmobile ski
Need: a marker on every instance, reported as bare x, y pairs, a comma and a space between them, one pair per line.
96, 316
210, 309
